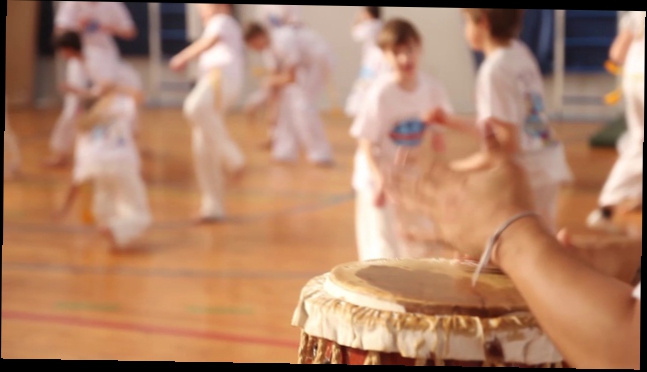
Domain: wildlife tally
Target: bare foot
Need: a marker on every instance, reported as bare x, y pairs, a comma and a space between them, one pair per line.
237, 174
325, 164
203, 220
12, 173
107, 233
56, 162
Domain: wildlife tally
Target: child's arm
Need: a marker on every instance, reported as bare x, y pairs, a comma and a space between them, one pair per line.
71, 195
192, 51
367, 148
441, 117
280, 79
620, 47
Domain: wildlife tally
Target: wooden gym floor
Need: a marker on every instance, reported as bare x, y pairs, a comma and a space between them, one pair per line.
214, 293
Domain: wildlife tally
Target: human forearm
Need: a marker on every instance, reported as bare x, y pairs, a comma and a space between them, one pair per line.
618, 257
591, 318
194, 50
620, 47
129, 33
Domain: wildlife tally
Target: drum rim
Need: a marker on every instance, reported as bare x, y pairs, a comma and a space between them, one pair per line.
348, 317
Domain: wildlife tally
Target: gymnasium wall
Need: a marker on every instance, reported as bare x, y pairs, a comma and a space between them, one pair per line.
446, 55
21, 39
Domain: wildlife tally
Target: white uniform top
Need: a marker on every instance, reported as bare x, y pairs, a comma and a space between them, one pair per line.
228, 52
635, 60
119, 72
373, 62
97, 44
295, 48
279, 15
509, 87
386, 112
107, 149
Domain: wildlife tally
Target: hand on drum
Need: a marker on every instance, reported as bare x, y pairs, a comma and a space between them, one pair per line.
615, 256
467, 205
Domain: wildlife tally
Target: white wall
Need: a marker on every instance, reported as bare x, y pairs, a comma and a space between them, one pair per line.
446, 55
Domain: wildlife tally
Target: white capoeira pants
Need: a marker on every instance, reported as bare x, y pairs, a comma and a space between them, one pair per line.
64, 132
375, 229
314, 80
299, 125
626, 178
120, 203
10, 142
213, 148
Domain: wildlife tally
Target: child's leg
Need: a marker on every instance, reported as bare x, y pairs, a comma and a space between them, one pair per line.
375, 233
284, 141
63, 134
227, 86
134, 215
199, 109
309, 127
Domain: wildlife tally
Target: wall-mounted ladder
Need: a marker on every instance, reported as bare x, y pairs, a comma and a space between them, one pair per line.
582, 42
168, 35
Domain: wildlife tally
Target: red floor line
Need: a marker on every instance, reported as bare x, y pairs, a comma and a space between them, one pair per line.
134, 327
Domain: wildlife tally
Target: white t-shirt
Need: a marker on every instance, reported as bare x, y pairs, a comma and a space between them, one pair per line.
373, 62
509, 87
284, 52
71, 13
314, 47
636, 292
228, 52
635, 60
279, 15
388, 112
117, 72
107, 149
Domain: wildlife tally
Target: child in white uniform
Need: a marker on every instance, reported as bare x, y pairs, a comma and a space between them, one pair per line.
12, 166
107, 157
117, 73
365, 31
273, 16
98, 23
509, 87
221, 64
298, 121
625, 181
397, 101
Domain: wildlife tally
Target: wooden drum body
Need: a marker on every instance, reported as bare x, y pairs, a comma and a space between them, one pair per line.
418, 312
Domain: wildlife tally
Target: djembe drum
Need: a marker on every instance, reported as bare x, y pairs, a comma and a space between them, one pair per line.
418, 312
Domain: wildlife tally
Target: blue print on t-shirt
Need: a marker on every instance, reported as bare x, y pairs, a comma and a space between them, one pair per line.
408, 133
367, 73
275, 21
93, 26
536, 125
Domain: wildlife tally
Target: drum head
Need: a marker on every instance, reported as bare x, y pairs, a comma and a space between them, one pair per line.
426, 286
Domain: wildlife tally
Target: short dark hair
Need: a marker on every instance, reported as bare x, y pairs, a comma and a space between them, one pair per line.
68, 39
505, 24
374, 11
254, 30
398, 32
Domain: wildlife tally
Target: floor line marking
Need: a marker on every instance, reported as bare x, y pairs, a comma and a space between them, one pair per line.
146, 328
